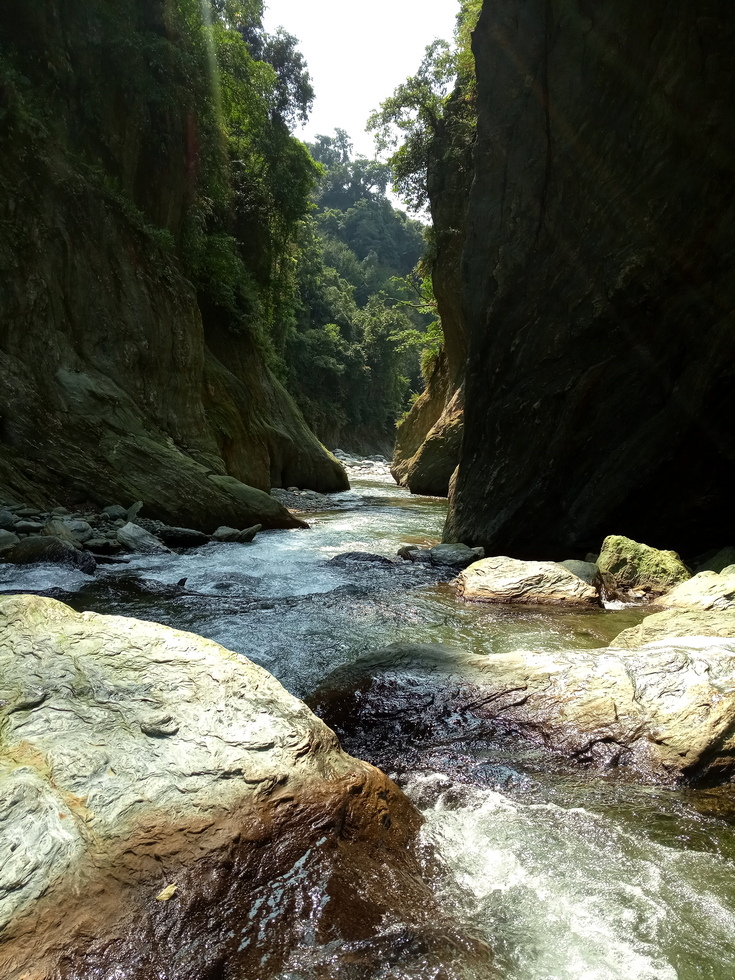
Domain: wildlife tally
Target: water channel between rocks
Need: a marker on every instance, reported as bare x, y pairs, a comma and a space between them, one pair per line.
567, 875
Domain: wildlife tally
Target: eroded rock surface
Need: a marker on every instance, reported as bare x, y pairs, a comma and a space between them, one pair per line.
677, 623
707, 590
134, 758
501, 579
666, 711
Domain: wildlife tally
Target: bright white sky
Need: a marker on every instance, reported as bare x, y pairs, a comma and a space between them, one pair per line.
358, 53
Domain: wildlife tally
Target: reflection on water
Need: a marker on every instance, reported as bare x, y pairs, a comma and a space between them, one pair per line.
567, 876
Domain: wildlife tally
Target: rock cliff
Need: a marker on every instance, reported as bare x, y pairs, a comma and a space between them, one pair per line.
598, 278
117, 384
428, 440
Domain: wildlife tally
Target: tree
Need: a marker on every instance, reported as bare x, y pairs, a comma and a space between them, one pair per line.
407, 123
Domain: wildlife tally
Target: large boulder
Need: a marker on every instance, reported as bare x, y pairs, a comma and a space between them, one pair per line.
677, 623
665, 711
706, 590
630, 569
169, 810
501, 579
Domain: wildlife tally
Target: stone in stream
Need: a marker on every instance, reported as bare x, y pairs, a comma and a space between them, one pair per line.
7, 539
455, 555
588, 571
183, 537
41, 548
501, 579
678, 623
706, 590
360, 557
136, 538
665, 711
633, 570
7, 519
169, 810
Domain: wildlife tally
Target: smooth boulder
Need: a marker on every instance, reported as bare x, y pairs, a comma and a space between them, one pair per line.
169, 810
633, 570
501, 579
664, 711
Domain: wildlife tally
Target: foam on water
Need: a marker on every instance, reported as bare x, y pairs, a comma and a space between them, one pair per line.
568, 894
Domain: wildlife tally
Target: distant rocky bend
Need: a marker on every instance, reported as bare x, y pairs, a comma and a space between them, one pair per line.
113, 385
599, 278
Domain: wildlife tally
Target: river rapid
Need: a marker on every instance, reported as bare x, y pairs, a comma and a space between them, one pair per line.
566, 874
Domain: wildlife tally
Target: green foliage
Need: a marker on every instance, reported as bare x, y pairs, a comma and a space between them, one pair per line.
352, 353
408, 122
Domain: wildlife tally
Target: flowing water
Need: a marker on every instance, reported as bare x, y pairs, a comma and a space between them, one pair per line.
568, 875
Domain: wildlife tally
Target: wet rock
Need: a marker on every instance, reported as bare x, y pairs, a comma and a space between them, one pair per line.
136, 538
225, 533
40, 548
7, 539
706, 590
633, 570
455, 555
412, 552
7, 519
677, 623
183, 537
360, 557
140, 762
501, 579
104, 546
666, 711
248, 534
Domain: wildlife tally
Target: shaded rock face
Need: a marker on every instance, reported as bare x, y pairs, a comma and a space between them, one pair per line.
134, 758
598, 278
665, 711
113, 386
428, 441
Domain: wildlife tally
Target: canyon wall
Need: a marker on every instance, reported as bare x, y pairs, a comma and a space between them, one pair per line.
116, 384
599, 279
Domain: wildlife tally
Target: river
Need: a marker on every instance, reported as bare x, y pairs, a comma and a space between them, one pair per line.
567, 875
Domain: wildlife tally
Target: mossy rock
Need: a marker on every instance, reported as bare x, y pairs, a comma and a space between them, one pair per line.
630, 568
